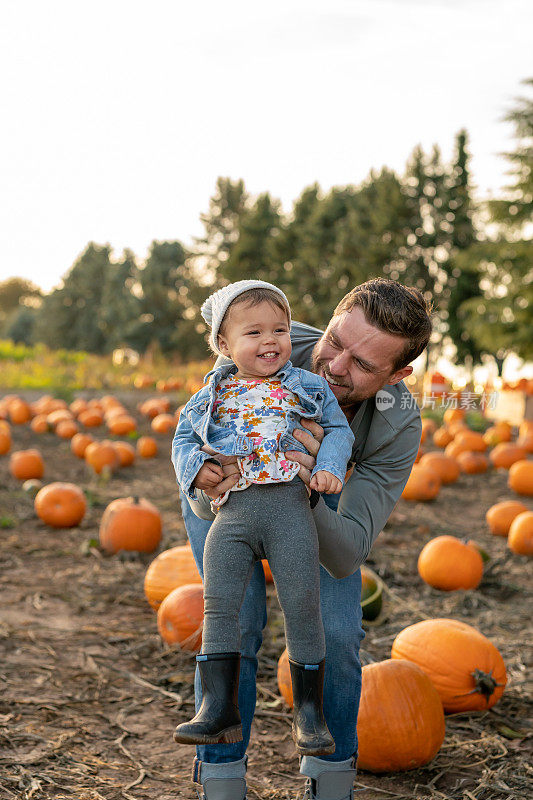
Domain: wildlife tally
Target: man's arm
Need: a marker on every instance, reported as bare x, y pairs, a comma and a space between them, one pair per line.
346, 537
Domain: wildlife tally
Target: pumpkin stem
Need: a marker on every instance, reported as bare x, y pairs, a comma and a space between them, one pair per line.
485, 683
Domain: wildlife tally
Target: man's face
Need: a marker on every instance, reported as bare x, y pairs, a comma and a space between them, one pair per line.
356, 358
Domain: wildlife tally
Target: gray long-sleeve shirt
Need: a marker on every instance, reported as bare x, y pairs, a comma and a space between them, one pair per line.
387, 436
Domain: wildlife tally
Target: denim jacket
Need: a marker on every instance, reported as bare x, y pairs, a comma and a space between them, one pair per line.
196, 426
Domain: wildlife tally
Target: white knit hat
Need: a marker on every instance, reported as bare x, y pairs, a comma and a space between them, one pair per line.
217, 304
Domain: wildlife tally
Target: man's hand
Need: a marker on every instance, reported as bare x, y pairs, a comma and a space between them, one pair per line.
311, 441
219, 479
324, 481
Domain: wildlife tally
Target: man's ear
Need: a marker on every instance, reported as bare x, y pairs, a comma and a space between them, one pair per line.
223, 346
396, 377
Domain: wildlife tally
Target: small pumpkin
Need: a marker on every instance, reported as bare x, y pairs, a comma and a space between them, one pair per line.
521, 478
162, 423
400, 725
446, 468
32, 486
442, 437
470, 440
284, 678
472, 463
505, 454
170, 569
423, 484
526, 442
180, 617
91, 417
371, 593
500, 516
146, 447
100, 456
39, 424
130, 524
520, 538
453, 415
60, 505
5, 441
122, 424
19, 411
125, 452
57, 416
466, 669
79, 444
66, 429
448, 564
26, 464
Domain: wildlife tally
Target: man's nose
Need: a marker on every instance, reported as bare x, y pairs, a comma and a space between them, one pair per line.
339, 364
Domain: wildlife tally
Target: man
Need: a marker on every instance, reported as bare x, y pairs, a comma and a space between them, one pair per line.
376, 331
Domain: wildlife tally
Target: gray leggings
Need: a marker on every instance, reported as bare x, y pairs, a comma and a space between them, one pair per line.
272, 521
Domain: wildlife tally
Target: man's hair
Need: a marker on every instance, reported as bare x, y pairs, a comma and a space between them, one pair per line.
253, 297
395, 309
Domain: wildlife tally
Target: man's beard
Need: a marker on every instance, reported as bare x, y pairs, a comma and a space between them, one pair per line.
320, 366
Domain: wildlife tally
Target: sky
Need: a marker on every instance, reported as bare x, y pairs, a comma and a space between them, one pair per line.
119, 116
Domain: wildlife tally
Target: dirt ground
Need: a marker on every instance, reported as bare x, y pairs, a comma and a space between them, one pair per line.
90, 694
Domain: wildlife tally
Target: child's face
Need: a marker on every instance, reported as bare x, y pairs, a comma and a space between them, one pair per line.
256, 338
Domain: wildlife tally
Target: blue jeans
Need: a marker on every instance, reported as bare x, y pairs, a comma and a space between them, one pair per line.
340, 603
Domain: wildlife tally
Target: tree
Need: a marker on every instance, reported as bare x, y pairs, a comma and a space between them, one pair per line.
120, 308
16, 295
251, 255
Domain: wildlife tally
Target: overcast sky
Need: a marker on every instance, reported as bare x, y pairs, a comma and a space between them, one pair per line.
119, 116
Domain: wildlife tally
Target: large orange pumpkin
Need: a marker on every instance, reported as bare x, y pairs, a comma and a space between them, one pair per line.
19, 412
448, 564
470, 440
423, 484
446, 468
39, 424
130, 524
521, 478
170, 569
472, 463
500, 516
180, 617
125, 452
466, 669
521, 534
284, 678
100, 456
79, 444
25, 464
146, 447
401, 722
60, 505
505, 454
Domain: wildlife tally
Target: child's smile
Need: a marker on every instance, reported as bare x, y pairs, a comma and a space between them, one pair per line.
256, 338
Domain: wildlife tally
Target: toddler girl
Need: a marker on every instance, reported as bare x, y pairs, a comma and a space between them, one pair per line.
249, 409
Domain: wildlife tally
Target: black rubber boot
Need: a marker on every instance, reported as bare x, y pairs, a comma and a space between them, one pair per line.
309, 730
218, 720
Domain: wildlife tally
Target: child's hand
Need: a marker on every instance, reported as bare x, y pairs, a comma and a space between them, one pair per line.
323, 481
208, 476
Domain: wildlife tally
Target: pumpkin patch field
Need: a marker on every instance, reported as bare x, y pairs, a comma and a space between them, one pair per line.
101, 612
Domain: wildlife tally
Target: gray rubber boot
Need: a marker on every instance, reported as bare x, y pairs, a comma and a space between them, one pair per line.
328, 780
220, 781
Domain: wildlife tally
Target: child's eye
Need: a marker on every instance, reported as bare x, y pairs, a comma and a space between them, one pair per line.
251, 333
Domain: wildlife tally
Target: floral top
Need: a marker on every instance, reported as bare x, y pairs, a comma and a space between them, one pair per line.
257, 408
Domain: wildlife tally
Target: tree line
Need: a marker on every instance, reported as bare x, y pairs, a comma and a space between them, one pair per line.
423, 228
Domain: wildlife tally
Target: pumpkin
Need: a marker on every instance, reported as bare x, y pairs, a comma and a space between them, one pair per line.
170, 569
130, 524
146, 447
457, 427
371, 593
180, 617
269, 578
466, 669
453, 415
91, 417
39, 424
429, 426
505, 454
100, 456
60, 505
500, 516
400, 725
57, 416
77, 406
162, 423
19, 412
521, 478
66, 429
521, 534
446, 563
446, 468
442, 437
125, 452
284, 678
526, 442
423, 484
470, 440
32, 486
25, 464
79, 444
526, 427
472, 463
497, 434
122, 424
154, 406
5, 441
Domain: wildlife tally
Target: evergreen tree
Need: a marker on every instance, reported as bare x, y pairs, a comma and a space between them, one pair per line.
16, 295
119, 317
251, 255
